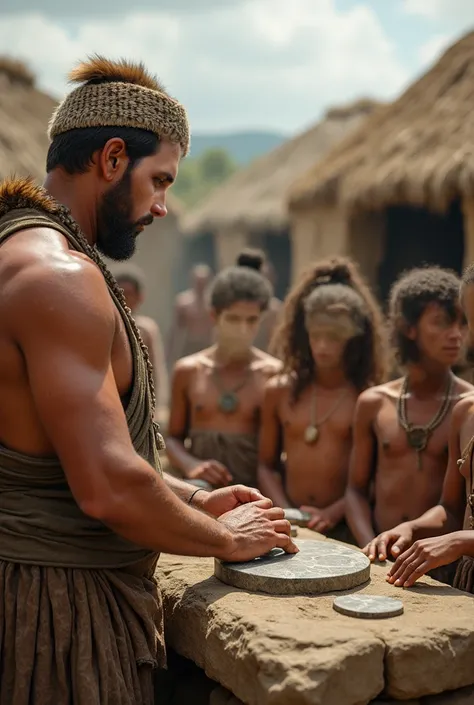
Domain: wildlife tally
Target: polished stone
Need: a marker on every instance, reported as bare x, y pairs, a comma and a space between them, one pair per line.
320, 566
368, 606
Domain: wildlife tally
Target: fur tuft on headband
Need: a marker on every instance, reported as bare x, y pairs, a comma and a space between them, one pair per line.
98, 69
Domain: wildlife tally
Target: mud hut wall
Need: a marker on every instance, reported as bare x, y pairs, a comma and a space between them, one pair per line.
317, 232
228, 244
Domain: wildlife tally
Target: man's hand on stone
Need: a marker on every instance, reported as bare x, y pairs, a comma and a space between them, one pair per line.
395, 542
423, 556
226, 499
256, 528
211, 471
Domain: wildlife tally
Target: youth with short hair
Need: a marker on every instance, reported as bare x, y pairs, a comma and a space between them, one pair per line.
217, 393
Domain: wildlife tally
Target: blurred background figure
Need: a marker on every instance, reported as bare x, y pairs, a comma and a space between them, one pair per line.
191, 329
131, 279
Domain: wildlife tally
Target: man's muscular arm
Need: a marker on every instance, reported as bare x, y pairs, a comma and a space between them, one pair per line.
62, 318
269, 480
358, 512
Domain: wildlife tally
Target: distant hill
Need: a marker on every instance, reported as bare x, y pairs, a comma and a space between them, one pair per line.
242, 146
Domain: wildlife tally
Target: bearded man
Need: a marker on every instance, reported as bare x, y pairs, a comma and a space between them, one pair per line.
85, 510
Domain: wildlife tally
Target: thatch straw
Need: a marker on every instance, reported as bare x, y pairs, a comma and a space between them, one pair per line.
417, 151
255, 197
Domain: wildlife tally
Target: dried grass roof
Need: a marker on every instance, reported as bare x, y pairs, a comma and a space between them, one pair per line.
418, 151
24, 116
254, 198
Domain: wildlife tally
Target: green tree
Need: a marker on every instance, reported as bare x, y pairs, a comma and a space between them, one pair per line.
198, 177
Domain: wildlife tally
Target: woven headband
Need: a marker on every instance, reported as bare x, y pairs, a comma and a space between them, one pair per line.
119, 104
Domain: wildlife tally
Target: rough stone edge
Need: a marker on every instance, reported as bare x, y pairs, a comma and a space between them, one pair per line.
204, 646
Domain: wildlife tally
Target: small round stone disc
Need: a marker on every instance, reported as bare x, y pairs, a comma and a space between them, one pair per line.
368, 606
297, 517
320, 566
294, 530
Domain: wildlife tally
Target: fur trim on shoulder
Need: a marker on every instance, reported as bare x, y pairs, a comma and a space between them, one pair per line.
20, 192
98, 69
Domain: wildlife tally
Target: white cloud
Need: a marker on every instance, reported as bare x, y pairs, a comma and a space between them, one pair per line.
254, 63
456, 12
429, 52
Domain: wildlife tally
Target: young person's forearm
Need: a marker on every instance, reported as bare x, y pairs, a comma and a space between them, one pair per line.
359, 516
435, 522
179, 457
270, 484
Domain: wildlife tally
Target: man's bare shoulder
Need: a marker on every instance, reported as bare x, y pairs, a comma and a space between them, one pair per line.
263, 362
279, 386
148, 324
462, 387
374, 396
464, 407
37, 267
184, 298
192, 363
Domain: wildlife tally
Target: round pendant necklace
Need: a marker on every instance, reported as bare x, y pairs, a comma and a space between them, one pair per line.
311, 434
229, 400
418, 436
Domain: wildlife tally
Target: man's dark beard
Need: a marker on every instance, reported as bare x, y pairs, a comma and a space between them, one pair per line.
116, 235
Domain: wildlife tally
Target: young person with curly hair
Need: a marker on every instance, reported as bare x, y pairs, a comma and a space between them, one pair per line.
401, 428
332, 346
444, 534
217, 393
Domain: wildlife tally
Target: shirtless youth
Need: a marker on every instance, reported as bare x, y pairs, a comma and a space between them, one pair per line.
444, 534
191, 330
217, 393
131, 281
401, 428
332, 349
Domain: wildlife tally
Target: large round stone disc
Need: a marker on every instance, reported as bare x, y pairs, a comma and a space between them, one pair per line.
320, 566
368, 606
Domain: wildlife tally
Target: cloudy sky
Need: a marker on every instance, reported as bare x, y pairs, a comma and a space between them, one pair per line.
243, 63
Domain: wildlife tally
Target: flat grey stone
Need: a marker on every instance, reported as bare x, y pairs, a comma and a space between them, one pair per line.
368, 606
320, 566
297, 517
202, 484
294, 530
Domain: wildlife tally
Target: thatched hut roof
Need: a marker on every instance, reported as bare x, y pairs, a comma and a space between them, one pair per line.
417, 151
255, 197
24, 116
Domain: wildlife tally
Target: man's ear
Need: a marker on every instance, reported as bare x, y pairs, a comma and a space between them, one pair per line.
113, 160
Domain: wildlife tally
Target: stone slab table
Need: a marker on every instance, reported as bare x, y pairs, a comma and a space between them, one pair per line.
296, 650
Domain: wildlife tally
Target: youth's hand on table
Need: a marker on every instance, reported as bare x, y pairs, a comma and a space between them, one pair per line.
211, 471
422, 557
321, 519
256, 528
226, 499
395, 542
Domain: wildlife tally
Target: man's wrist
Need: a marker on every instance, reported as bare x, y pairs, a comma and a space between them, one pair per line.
197, 498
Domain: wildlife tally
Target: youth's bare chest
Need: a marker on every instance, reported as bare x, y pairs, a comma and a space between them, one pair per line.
226, 395
331, 415
394, 440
